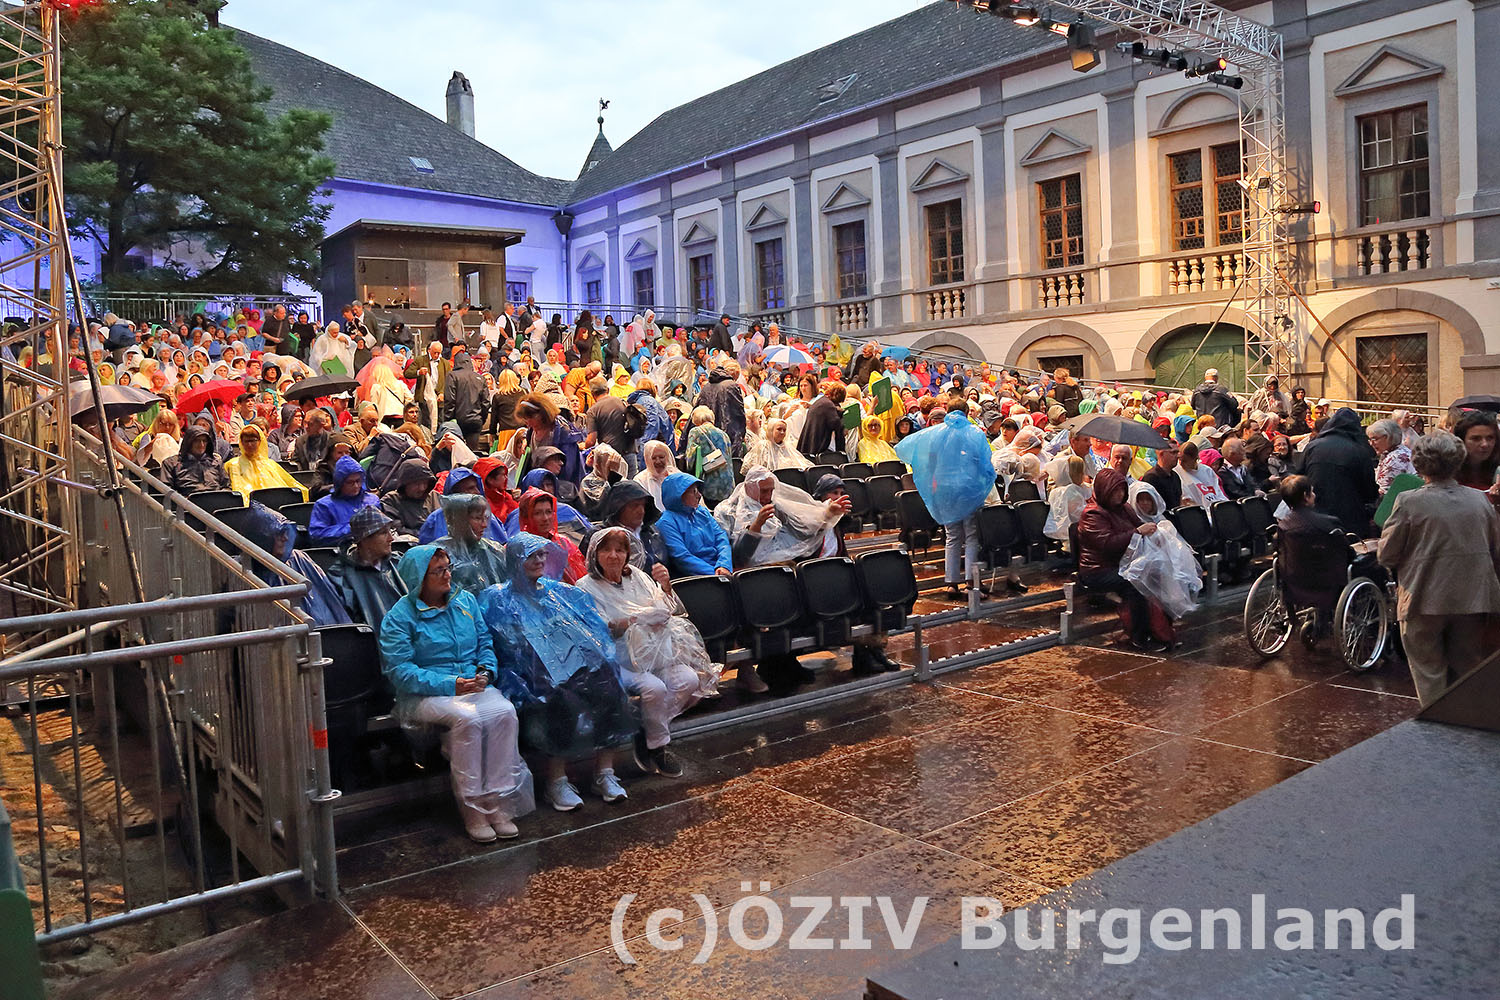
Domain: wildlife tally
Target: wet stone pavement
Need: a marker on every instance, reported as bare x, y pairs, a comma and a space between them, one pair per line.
1007, 780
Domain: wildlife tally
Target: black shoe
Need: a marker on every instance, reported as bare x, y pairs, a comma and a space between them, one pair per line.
952, 594
887, 665
666, 763
643, 757
864, 663
1016, 586
1148, 645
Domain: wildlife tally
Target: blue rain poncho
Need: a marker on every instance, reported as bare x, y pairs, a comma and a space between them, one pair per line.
950, 466
477, 562
278, 536
557, 660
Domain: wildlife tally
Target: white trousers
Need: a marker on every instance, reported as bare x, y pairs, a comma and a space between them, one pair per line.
490, 778
663, 698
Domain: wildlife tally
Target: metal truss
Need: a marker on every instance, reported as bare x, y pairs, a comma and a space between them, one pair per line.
1255, 52
38, 521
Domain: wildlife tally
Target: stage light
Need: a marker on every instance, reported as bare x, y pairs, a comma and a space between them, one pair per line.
1302, 208
1232, 82
1208, 68
1020, 13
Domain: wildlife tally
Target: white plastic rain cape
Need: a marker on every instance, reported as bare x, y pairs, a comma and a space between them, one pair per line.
1162, 567
795, 531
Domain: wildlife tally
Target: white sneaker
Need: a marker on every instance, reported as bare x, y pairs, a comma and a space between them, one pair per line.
607, 787
504, 828
563, 796
481, 833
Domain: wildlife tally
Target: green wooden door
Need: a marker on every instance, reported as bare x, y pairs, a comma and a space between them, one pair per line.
1224, 349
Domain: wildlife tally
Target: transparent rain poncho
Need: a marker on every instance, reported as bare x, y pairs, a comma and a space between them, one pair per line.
950, 467
1162, 567
797, 529
557, 659
477, 561
660, 636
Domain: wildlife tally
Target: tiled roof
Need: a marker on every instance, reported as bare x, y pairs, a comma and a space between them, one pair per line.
376, 135
597, 153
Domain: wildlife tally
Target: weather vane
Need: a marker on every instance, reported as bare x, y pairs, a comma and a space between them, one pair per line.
603, 107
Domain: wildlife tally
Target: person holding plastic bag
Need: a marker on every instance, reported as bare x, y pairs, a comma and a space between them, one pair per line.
770, 522
1105, 531
661, 653
1161, 565
557, 664
951, 469
438, 656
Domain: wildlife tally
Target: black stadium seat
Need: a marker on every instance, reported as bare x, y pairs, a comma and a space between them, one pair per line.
859, 501
1000, 534
813, 473
883, 509
792, 477
276, 497
236, 519
856, 470
324, 556
1261, 521
352, 685
1231, 528
890, 586
772, 604
214, 500
1032, 515
918, 529
833, 596
897, 469
1192, 524
1022, 490
833, 458
713, 609
307, 479
299, 514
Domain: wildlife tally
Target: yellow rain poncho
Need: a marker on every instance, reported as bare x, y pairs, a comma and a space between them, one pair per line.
619, 383
253, 470
872, 447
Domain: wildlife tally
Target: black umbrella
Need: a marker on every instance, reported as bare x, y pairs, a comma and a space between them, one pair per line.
322, 385
1120, 430
1490, 403
119, 400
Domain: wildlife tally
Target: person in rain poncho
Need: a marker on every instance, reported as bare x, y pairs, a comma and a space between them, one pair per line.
659, 464
439, 657
460, 481
410, 502
1146, 502
619, 382
557, 664
477, 561
953, 471
495, 475
696, 543
278, 536
607, 467
661, 653
365, 573
770, 522
538, 516
1066, 499
195, 467
333, 348
254, 469
873, 448
774, 451
569, 521
329, 523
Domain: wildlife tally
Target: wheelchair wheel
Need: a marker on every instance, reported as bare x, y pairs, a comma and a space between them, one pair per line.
1361, 623
1268, 621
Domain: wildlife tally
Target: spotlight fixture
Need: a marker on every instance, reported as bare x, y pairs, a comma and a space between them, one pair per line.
1208, 68
1302, 208
1232, 82
1022, 14
1080, 39
1165, 58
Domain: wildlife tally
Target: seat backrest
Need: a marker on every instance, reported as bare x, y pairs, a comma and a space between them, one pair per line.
769, 596
1310, 564
887, 578
833, 458
882, 491
831, 586
1033, 517
812, 474
1258, 514
1192, 524
999, 527
913, 511
236, 519
711, 605
354, 673
1229, 521
323, 555
890, 468
212, 500
856, 470
299, 514
307, 479
276, 497
1022, 490
859, 496
792, 477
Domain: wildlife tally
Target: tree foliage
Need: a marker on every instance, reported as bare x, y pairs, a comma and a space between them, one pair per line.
170, 146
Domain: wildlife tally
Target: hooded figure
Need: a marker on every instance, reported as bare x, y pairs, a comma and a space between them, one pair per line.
726, 399
650, 549
278, 536
797, 530
282, 437
656, 465
254, 469
495, 486
190, 472
873, 448
477, 561
570, 567
424, 650
459, 481
1153, 509
569, 521
696, 544
329, 523
405, 503
1341, 464
774, 454
557, 660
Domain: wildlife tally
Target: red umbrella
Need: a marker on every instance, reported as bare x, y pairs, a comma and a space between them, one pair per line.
220, 390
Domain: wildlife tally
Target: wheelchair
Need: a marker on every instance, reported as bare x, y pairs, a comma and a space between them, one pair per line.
1317, 586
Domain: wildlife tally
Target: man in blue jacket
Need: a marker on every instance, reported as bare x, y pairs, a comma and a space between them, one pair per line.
331, 515
696, 543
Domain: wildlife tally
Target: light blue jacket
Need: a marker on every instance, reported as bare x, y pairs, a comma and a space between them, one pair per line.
423, 649
697, 545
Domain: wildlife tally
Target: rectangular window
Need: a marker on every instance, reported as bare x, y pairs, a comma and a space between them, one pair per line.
1061, 204
1229, 197
517, 291
945, 243
644, 279
1394, 183
701, 279
1185, 176
849, 260
1394, 368
770, 275
593, 292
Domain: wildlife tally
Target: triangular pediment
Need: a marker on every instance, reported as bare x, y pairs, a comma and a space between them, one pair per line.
764, 217
641, 248
1054, 145
844, 196
698, 233
1387, 67
938, 173
591, 262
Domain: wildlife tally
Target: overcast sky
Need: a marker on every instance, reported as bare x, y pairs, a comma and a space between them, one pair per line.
539, 67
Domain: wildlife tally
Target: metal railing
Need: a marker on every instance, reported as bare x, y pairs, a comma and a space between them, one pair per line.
155, 307
200, 708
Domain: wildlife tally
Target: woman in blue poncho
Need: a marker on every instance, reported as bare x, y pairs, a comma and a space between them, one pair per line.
952, 469
557, 665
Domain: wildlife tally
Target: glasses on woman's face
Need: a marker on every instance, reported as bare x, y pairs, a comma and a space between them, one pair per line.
439, 570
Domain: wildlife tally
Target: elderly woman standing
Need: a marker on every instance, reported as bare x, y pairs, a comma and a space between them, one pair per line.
1395, 457
1443, 542
706, 451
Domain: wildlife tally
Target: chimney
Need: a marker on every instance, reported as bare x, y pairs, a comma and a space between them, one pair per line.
461, 103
